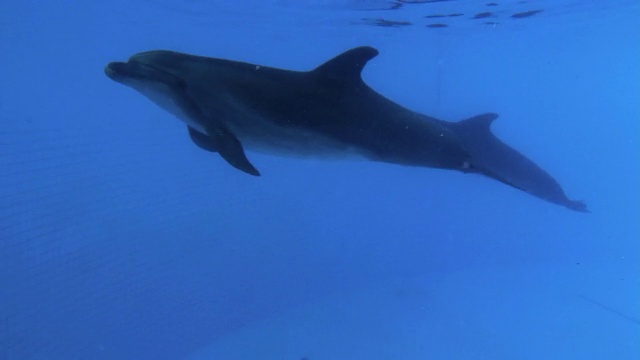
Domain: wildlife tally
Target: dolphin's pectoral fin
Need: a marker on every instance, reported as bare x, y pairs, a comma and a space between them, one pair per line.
227, 145
347, 65
230, 148
202, 140
577, 205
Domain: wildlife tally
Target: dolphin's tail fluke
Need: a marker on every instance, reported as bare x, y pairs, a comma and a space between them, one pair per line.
493, 158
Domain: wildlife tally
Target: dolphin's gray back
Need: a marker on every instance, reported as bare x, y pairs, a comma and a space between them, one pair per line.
328, 111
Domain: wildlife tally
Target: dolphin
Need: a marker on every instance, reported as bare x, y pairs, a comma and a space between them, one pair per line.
229, 106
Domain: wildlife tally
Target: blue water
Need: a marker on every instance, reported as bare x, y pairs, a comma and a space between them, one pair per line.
120, 239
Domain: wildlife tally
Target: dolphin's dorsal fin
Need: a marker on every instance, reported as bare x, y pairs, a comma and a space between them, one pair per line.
347, 65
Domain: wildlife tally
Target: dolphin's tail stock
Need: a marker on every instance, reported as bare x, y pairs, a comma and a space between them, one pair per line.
493, 158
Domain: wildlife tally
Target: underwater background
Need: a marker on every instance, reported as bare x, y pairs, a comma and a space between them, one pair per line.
120, 239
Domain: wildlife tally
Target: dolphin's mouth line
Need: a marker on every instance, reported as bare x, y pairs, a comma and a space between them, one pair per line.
109, 71
144, 64
127, 69
112, 70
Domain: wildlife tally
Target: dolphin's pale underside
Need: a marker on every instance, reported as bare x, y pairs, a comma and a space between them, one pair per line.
329, 111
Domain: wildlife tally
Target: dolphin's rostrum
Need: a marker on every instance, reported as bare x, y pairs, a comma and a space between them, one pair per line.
329, 111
